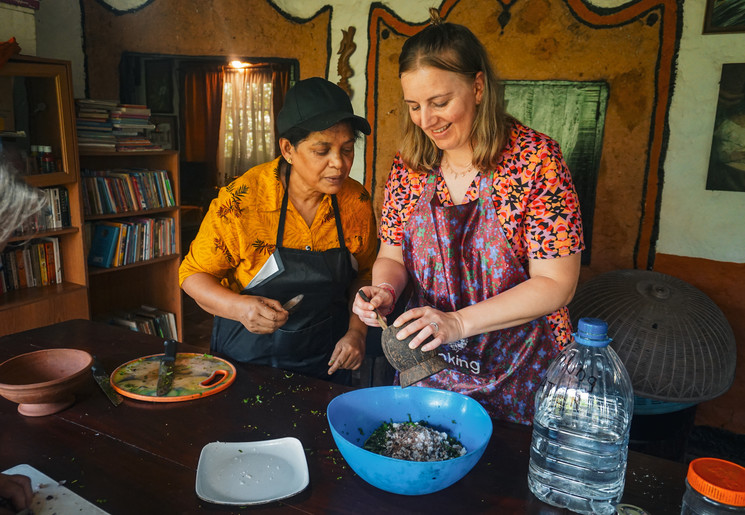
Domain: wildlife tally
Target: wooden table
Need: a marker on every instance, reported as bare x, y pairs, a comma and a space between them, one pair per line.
142, 457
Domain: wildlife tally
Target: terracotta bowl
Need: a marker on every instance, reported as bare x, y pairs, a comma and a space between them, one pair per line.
44, 382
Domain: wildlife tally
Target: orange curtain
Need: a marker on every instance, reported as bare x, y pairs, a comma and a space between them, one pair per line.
200, 104
280, 85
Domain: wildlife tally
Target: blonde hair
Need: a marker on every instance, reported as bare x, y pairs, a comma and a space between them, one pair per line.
18, 201
454, 48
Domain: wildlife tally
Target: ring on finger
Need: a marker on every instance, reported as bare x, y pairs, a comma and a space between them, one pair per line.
435, 327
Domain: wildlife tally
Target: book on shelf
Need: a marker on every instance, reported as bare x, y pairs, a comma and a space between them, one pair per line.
42, 253
118, 114
92, 103
94, 136
104, 241
97, 146
164, 321
20, 262
123, 242
93, 125
117, 259
139, 109
35, 263
64, 196
54, 258
54, 194
147, 319
124, 190
10, 272
131, 122
93, 115
54, 215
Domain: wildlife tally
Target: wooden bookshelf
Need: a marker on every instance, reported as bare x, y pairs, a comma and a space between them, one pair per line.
38, 103
153, 282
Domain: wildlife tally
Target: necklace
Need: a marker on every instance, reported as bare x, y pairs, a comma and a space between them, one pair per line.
458, 174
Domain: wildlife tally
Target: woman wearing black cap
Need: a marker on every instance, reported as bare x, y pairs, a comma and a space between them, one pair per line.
297, 225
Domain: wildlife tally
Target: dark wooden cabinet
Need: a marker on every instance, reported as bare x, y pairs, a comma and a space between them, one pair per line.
37, 109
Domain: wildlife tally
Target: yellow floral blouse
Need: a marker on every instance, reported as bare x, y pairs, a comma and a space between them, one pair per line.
239, 232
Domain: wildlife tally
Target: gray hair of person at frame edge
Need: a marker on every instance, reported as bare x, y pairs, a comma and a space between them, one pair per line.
454, 48
18, 201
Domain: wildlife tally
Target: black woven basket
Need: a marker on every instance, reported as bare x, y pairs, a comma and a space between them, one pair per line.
674, 341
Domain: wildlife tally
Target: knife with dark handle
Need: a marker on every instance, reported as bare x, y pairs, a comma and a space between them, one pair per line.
167, 368
102, 378
381, 320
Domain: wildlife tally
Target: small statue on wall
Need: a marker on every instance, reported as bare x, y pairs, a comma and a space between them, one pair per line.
346, 49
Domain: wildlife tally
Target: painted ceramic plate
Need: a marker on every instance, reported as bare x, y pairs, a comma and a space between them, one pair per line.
251, 472
196, 376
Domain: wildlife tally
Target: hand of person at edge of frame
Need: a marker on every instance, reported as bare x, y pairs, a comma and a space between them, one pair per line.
261, 315
380, 298
15, 493
348, 353
427, 321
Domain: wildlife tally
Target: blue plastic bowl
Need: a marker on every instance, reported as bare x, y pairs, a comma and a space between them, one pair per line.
353, 416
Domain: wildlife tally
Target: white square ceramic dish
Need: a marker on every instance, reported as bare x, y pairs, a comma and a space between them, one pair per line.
241, 473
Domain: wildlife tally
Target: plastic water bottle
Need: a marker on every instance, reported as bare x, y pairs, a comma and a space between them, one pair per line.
581, 425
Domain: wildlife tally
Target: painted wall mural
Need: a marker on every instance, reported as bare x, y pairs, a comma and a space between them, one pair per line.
632, 49
661, 69
630, 46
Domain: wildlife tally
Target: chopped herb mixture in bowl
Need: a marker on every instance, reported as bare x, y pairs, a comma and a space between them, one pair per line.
437, 436
413, 441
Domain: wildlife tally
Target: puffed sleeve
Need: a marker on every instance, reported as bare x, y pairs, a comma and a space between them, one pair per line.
402, 190
552, 218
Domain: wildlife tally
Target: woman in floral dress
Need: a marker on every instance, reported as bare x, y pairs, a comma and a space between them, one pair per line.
481, 217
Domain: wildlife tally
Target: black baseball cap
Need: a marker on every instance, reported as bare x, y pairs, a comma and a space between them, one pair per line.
316, 104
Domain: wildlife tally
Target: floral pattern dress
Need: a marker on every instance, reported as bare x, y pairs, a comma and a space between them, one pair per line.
462, 254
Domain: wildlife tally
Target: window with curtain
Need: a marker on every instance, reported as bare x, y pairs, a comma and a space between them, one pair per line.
247, 122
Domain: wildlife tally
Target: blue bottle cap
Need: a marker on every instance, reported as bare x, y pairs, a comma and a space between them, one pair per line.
592, 332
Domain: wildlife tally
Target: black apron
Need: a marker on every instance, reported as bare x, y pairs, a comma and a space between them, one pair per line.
305, 343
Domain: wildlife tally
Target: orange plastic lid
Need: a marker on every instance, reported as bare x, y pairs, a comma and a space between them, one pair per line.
719, 480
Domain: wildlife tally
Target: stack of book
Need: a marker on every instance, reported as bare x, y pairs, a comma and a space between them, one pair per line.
94, 126
130, 121
107, 125
149, 320
125, 190
35, 264
122, 242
